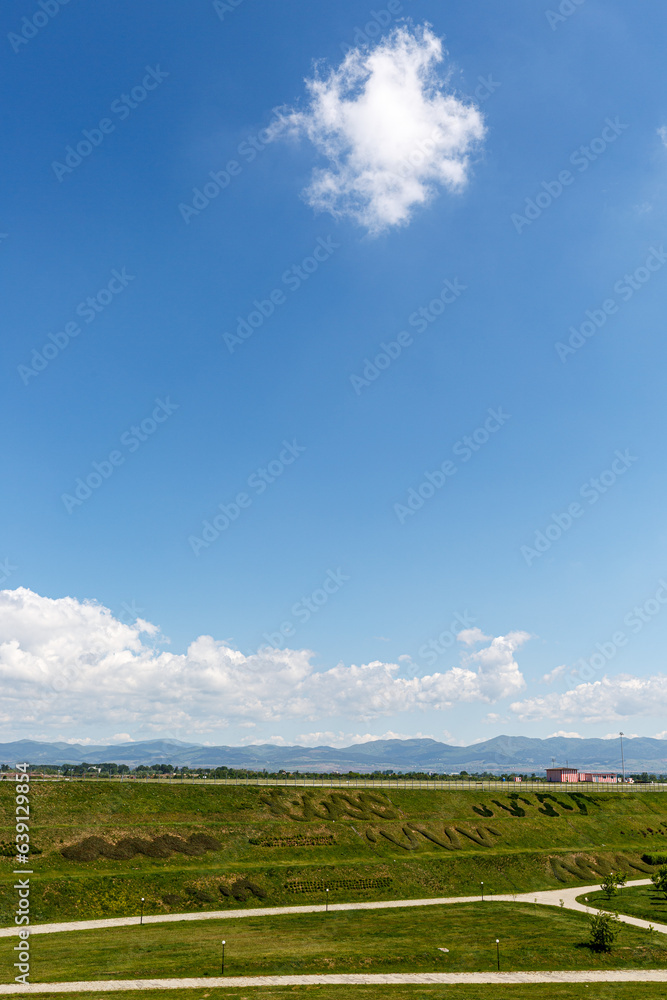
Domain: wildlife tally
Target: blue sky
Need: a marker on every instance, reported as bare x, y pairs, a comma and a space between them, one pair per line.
556, 219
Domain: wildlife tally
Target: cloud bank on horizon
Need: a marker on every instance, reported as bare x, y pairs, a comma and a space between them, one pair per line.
63, 661
390, 131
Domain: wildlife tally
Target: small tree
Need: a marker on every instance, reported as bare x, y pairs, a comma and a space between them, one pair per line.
659, 879
612, 883
605, 928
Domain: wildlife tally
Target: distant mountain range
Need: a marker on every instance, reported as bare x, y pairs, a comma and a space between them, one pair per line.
502, 753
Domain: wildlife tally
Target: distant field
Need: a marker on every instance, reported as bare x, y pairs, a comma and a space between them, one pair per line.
378, 941
191, 847
637, 901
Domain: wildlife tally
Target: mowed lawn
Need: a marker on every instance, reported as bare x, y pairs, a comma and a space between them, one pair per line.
637, 901
377, 941
575, 991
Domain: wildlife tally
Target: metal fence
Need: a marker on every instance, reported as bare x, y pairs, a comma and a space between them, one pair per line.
380, 784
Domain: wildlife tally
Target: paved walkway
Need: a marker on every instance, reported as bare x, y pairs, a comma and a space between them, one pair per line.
353, 979
550, 897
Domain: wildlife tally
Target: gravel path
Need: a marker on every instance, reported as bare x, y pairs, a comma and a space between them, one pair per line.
551, 897
358, 979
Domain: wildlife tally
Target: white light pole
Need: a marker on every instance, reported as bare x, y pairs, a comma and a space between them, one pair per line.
482, 885
223, 959
142, 911
498, 952
327, 899
622, 758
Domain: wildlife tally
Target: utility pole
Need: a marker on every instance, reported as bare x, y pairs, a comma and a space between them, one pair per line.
622, 758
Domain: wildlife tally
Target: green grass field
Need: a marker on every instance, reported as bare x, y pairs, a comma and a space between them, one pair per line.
580, 991
637, 901
376, 941
290, 844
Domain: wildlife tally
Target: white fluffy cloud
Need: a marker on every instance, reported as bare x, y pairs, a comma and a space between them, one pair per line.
662, 132
64, 663
554, 674
390, 131
600, 701
565, 734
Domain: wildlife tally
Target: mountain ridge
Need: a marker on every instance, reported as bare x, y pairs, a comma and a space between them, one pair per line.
499, 754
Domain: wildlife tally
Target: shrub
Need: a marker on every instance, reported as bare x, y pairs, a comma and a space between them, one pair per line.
482, 810
655, 859
241, 890
199, 895
659, 879
605, 928
126, 848
612, 882
172, 899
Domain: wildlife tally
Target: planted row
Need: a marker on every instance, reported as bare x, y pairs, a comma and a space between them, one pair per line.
347, 883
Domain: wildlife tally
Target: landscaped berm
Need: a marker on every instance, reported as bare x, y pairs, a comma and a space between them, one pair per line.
189, 849
185, 849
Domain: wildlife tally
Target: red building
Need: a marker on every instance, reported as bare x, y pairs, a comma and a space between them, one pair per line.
604, 776
562, 774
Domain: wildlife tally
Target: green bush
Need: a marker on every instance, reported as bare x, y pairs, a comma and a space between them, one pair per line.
605, 928
655, 859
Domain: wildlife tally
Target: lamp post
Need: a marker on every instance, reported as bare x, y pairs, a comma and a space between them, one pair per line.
498, 952
222, 970
622, 758
141, 919
327, 903
482, 885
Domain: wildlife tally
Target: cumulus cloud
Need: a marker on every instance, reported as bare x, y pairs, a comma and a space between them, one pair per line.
662, 132
391, 132
471, 636
554, 674
600, 701
64, 661
563, 733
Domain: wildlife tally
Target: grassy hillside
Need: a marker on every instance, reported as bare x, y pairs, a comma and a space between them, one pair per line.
188, 848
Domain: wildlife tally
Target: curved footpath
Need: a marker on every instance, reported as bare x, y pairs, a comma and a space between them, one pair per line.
549, 897
353, 979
